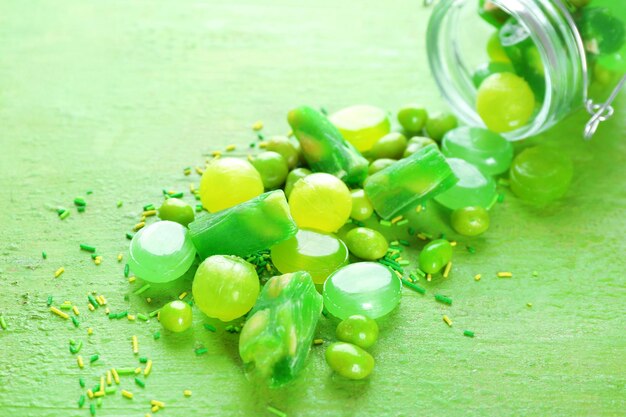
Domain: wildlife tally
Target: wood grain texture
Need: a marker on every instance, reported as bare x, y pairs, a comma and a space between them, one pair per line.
119, 96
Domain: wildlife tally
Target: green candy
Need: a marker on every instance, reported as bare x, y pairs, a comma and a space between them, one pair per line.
485, 70
293, 177
439, 124
473, 188
176, 210
367, 244
358, 330
409, 182
289, 149
380, 164
412, 118
273, 169
486, 150
176, 316
435, 255
324, 148
470, 221
362, 209
349, 361
417, 143
276, 339
491, 13
390, 146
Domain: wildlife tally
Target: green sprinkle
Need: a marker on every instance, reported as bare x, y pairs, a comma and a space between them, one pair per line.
419, 272
140, 382
394, 243
413, 277
201, 351
232, 329
414, 287
411, 231
92, 409
110, 390
120, 204
49, 302
468, 333
89, 192
324, 111
94, 358
197, 196
404, 242
81, 400
535, 274
260, 136
358, 223
122, 314
3, 323
471, 249
87, 248
65, 306
142, 317
198, 208
209, 327
44, 255
252, 144
142, 289
75, 321
129, 236
125, 371
177, 195
402, 222
64, 215
404, 262
148, 207
93, 301
81, 382
94, 255
504, 182
385, 223
276, 411
80, 202
143, 359
443, 299
156, 335
126, 270
99, 402
500, 197
80, 209
154, 313
112, 316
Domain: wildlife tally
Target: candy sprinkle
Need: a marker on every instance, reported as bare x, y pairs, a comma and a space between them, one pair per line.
94, 358
209, 327
127, 394
87, 248
3, 323
414, 287
148, 368
140, 383
505, 274
276, 411
443, 299
187, 393
79, 361
258, 125
447, 320
477, 277
447, 269
468, 333
142, 289
44, 255
59, 272
135, 344
158, 403
59, 313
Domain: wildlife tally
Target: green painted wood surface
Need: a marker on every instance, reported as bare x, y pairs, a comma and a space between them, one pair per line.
118, 97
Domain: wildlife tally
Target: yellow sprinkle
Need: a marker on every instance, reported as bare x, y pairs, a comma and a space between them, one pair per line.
135, 343
79, 361
453, 243
101, 385
98, 394
505, 274
58, 272
396, 219
116, 376
477, 277
120, 257
258, 125
529, 304
59, 313
289, 134
100, 300
192, 188
231, 148
137, 370
149, 213
97, 260
422, 236
139, 226
268, 267
147, 415
187, 393
155, 408
199, 171
109, 378
127, 394
399, 258
89, 331
182, 295
418, 208
250, 158
263, 145
148, 300
142, 219
131, 279
447, 320
318, 341
131, 317
158, 403
92, 308
90, 393
447, 269
429, 277
216, 153
398, 274
107, 311
148, 369
75, 310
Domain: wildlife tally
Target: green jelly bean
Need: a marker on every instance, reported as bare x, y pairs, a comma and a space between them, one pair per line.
293, 177
289, 149
379, 165
273, 169
439, 124
362, 208
435, 255
412, 118
359, 330
176, 210
470, 221
390, 146
417, 143
367, 244
349, 361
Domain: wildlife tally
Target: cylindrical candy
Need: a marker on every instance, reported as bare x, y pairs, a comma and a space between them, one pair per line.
473, 189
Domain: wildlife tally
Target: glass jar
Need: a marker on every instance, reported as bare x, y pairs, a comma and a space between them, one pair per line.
454, 30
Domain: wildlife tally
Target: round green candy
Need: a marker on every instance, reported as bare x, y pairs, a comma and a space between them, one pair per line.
289, 149
470, 221
379, 165
293, 176
349, 361
358, 330
390, 146
227, 182
176, 210
161, 252
439, 124
367, 244
540, 175
176, 316
417, 143
505, 102
473, 188
273, 168
362, 208
412, 118
366, 288
486, 150
485, 70
225, 287
435, 255
319, 254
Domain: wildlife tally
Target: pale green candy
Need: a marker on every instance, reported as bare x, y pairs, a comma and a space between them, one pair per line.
486, 150
366, 288
473, 189
161, 252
